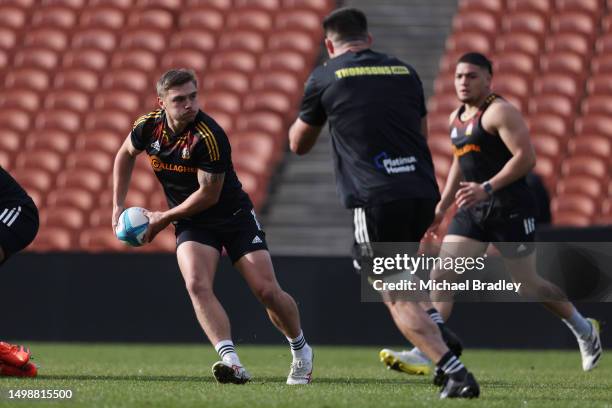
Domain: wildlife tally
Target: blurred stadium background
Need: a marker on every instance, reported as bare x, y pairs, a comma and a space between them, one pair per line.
75, 74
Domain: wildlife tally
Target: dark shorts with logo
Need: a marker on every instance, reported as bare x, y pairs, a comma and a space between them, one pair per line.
240, 235
404, 221
18, 226
510, 229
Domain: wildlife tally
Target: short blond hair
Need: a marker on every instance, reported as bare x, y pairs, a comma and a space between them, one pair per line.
175, 77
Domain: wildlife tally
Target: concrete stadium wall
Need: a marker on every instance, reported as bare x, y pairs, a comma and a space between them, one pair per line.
136, 297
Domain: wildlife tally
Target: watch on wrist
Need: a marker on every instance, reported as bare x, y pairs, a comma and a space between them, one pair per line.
488, 188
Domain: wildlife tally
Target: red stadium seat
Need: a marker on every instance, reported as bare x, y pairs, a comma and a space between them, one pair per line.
243, 40
445, 83
201, 40
98, 161
284, 60
604, 43
100, 239
305, 20
144, 181
481, 21
595, 124
223, 5
555, 104
495, 6
77, 79
259, 153
558, 84
549, 124
15, 119
144, 38
223, 119
577, 203
101, 217
585, 165
120, 4
592, 7
520, 42
234, 60
292, 40
572, 42
85, 179
602, 64
469, 41
56, 17
249, 19
253, 186
525, 21
158, 19
222, 100
42, 58
50, 139
29, 78
269, 5
52, 239
277, 149
22, 99
104, 17
33, 179
232, 81
76, 101
50, 38
63, 217
512, 84
117, 99
74, 4
277, 81
574, 22
597, 104
584, 185
438, 123
184, 58
268, 101
142, 60
9, 141
172, 5
442, 103
127, 80
268, 122
571, 218
100, 140
541, 6
564, 62
60, 119
202, 18
114, 120
8, 38
600, 84
322, 7
12, 17
86, 58
547, 145
46, 160
514, 63
593, 145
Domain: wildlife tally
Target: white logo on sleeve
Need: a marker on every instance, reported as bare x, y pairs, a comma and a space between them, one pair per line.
256, 240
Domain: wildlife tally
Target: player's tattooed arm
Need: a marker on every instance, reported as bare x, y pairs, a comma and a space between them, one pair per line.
207, 179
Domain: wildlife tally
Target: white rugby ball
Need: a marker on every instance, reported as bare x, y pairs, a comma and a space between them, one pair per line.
132, 226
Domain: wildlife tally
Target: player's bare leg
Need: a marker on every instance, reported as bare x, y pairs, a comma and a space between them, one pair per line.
256, 268
198, 265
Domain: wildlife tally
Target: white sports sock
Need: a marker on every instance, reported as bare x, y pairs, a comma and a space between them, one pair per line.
227, 352
299, 348
580, 326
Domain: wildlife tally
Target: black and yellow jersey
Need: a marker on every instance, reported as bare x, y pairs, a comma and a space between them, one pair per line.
482, 155
175, 159
374, 104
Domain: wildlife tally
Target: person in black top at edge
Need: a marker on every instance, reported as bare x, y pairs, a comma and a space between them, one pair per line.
487, 181
376, 111
18, 227
191, 157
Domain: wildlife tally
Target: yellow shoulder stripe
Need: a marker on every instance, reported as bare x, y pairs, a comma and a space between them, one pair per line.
209, 138
143, 118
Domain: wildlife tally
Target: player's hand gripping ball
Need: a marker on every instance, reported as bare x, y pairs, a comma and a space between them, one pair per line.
132, 226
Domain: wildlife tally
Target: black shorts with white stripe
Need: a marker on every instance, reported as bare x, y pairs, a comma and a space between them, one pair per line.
403, 221
18, 226
511, 229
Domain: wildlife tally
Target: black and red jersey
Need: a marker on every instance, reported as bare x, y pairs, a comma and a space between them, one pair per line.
176, 158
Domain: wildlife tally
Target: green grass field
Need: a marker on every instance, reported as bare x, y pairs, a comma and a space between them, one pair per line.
179, 376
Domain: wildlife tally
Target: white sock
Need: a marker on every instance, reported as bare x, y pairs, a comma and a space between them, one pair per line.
580, 326
418, 352
299, 348
227, 352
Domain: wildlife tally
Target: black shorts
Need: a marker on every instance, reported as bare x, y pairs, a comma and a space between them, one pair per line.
18, 227
403, 221
510, 229
240, 235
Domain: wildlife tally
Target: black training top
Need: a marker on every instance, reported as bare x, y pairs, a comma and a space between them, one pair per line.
375, 104
482, 154
176, 158
11, 193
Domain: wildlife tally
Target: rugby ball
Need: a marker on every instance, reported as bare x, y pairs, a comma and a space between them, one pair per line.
132, 226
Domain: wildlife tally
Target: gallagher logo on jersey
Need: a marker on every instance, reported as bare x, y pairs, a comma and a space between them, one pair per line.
396, 164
